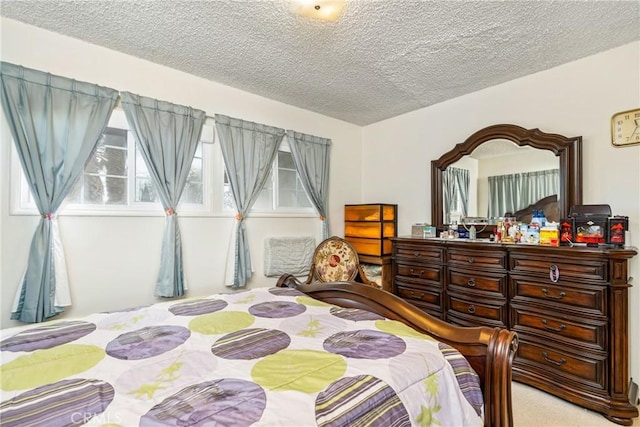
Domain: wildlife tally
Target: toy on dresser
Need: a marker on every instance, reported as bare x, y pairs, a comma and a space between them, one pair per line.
593, 225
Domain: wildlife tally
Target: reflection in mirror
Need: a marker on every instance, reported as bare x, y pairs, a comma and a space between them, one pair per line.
502, 177
533, 151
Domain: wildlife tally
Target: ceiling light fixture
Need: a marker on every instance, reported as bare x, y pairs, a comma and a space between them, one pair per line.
328, 10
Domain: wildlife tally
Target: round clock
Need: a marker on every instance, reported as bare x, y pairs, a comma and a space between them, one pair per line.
625, 128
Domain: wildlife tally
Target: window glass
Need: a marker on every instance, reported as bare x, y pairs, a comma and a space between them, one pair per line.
290, 194
104, 181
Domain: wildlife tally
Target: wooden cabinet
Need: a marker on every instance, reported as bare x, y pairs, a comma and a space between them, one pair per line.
369, 228
569, 307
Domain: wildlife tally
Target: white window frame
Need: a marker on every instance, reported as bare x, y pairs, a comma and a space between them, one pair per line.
21, 204
213, 186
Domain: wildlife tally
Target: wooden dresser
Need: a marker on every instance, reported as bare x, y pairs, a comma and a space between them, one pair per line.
369, 228
569, 307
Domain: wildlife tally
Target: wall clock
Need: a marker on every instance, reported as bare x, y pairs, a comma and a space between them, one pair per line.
625, 128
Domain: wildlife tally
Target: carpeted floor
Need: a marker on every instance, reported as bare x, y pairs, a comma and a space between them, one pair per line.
535, 408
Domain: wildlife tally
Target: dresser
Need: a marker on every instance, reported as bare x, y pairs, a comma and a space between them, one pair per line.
569, 307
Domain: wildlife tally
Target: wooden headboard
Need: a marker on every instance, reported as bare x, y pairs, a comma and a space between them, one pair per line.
548, 204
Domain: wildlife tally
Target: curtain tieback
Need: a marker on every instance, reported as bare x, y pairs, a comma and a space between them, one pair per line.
170, 212
322, 218
48, 216
239, 216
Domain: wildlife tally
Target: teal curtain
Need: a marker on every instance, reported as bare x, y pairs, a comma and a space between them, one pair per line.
510, 193
311, 157
56, 124
167, 135
455, 184
248, 150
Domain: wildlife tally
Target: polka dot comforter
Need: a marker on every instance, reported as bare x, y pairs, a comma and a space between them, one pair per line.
263, 357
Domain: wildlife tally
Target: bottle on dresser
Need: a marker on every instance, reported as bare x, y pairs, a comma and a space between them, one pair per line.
533, 231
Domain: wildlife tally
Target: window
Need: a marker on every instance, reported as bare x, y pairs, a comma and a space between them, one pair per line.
282, 192
116, 178
291, 193
116, 181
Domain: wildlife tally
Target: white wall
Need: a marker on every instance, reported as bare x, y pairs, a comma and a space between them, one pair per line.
578, 98
113, 261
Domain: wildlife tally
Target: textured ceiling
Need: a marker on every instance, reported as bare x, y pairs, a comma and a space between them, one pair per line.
378, 60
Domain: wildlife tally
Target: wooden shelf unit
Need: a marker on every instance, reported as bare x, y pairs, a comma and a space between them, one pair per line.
369, 228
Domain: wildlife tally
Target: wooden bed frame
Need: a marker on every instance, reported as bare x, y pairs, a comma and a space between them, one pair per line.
490, 351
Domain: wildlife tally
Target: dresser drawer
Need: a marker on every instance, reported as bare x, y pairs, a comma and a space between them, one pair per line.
591, 334
477, 259
559, 268
562, 295
486, 310
419, 253
420, 272
476, 281
588, 368
373, 247
369, 230
430, 296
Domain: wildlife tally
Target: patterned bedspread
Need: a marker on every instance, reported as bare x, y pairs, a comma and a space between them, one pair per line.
263, 357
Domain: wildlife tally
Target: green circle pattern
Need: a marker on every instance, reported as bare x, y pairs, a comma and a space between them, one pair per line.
307, 371
221, 322
48, 366
305, 300
400, 329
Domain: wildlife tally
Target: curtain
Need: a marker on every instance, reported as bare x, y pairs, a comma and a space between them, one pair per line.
311, 158
167, 135
248, 150
510, 193
56, 124
455, 183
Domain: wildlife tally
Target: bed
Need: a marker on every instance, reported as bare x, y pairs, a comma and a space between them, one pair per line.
293, 355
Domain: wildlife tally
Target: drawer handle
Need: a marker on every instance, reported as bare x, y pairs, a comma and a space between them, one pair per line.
416, 296
562, 327
471, 282
417, 254
554, 273
413, 273
471, 260
559, 296
553, 362
471, 309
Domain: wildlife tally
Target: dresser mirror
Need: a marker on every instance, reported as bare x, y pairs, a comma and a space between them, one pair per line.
550, 150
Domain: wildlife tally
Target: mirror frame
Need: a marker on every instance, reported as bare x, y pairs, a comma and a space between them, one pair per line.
568, 150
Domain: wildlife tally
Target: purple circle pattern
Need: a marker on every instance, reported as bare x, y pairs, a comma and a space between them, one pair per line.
85, 398
195, 308
289, 292
277, 309
227, 402
365, 344
354, 314
147, 342
340, 404
47, 336
248, 344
